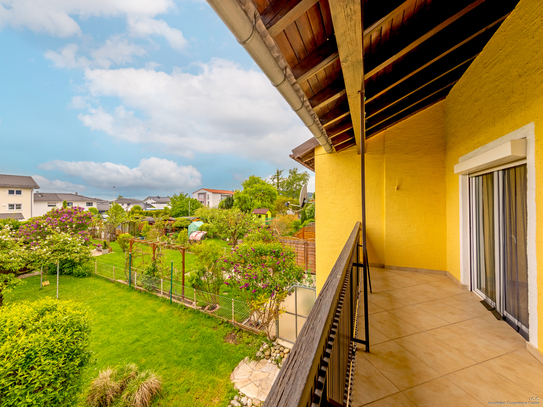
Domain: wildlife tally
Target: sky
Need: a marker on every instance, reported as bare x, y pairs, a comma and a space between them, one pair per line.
150, 97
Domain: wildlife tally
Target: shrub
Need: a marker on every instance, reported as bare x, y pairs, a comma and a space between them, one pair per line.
181, 223
44, 346
124, 386
209, 228
123, 241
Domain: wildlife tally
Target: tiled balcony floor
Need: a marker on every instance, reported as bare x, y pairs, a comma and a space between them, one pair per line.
434, 344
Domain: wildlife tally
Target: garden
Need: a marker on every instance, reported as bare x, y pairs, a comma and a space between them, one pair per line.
146, 338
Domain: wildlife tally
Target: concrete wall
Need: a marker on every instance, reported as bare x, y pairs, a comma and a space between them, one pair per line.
25, 199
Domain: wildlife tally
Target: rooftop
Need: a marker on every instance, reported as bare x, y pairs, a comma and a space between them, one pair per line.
216, 191
158, 199
18, 216
58, 197
17, 181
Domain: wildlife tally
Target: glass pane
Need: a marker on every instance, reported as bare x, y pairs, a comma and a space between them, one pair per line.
289, 305
306, 299
484, 235
287, 327
516, 261
301, 321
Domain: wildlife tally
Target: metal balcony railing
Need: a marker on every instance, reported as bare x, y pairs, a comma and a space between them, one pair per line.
319, 369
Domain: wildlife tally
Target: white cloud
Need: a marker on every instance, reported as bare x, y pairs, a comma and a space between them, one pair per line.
223, 109
55, 17
152, 173
57, 185
116, 50
146, 26
311, 184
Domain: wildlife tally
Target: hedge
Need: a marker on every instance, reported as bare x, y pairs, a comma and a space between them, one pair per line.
44, 346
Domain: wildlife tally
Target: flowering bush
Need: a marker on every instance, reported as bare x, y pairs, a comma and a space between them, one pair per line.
11, 251
72, 221
261, 234
264, 273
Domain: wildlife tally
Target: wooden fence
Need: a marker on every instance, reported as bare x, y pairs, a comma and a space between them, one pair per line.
305, 251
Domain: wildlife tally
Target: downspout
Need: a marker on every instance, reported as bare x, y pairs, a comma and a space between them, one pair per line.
245, 32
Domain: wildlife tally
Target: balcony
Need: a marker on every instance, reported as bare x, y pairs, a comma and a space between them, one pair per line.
431, 343
434, 343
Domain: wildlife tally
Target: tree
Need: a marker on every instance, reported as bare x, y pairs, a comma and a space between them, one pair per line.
7, 283
115, 216
208, 275
182, 223
294, 183
277, 179
120, 197
256, 193
94, 211
280, 205
179, 204
12, 258
227, 203
232, 224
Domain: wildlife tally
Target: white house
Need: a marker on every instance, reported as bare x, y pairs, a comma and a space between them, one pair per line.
129, 203
16, 196
158, 202
45, 201
211, 197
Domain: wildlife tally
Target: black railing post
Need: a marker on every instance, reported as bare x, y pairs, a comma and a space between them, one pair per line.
366, 311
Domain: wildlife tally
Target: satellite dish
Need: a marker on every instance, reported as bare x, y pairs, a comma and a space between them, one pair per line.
303, 196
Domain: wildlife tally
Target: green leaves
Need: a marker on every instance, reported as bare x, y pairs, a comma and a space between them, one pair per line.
43, 350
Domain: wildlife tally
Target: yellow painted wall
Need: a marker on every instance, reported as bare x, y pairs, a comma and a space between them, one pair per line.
415, 191
375, 199
500, 92
337, 209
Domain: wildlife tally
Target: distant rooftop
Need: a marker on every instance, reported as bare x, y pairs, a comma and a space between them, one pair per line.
261, 211
18, 216
17, 181
129, 201
216, 191
158, 199
56, 197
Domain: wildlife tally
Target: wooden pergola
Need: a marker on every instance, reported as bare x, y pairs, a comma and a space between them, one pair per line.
406, 55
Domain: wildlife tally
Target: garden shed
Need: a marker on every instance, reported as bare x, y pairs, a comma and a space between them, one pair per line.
194, 226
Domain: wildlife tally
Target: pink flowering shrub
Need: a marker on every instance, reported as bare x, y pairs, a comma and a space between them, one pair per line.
264, 273
73, 221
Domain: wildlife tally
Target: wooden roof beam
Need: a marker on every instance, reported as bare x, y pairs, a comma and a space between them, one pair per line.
470, 46
418, 41
340, 128
330, 93
342, 138
337, 113
316, 61
281, 13
414, 87
347, 19
398, 11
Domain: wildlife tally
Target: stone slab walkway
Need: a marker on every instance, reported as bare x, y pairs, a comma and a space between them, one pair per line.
254, 379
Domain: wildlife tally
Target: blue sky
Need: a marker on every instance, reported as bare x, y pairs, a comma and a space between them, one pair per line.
152, 97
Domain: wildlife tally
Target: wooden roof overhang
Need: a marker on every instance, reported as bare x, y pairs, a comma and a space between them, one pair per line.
414, 51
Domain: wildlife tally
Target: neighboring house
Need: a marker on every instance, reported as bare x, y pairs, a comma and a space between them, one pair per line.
45, 201
128, 203
103, 206
157, 202
428, 167
263, 214
16, 196
211, 197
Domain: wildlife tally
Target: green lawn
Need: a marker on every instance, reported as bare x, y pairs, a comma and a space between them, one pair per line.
187, 348
117, 257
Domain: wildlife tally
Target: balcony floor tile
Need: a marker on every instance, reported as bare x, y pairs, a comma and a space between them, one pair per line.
434, 343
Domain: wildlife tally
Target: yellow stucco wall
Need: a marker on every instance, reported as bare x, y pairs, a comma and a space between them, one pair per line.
500, 92
337, 209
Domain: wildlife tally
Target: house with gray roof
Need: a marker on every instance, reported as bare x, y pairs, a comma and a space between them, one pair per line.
45, 201
157, 202
16, 193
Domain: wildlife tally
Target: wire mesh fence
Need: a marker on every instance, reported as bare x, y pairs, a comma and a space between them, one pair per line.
226, 308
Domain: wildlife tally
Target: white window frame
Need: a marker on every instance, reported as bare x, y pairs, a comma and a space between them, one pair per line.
91, 204
70, 204
51, 204
527, 132
15, 206
11, 207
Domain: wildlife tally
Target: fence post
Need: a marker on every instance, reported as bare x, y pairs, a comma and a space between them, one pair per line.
183, 282
233, 314
135, 278
113, 273
161, 287
194, 291
95, 267
41, 277
130, 269
171, 281
57, 277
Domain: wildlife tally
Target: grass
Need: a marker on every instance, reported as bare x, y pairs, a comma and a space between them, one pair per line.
185, 347
117, 257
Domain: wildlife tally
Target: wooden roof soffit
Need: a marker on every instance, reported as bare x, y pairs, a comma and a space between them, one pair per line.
305, 153
251, 11
316, 61
347, 20
282, 13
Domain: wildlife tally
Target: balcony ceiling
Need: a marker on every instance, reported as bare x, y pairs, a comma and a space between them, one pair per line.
414, 53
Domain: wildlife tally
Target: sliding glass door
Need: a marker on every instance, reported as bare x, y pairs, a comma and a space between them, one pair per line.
499, 267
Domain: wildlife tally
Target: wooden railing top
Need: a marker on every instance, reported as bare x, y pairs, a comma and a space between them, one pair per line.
293, 385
